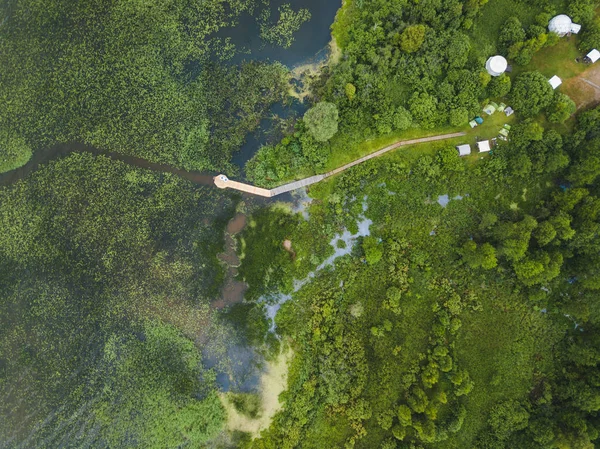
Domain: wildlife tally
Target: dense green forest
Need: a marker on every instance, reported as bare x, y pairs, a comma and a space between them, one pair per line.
412, 67
423, 300
470, 325
469, 322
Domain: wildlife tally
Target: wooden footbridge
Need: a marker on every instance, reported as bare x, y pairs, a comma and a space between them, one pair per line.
223, 182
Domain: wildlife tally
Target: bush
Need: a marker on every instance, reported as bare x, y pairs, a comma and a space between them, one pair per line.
499, 86
14, 151
322, 121
350, 90
581, 11
507, 418
531, 94
412, 38
402, 119
561, 109
511, 32
459, 117
373, 250
424, 109
590, 38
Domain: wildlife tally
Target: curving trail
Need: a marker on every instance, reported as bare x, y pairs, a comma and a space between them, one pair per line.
223, 182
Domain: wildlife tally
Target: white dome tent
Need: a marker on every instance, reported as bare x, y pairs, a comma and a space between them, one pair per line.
562, 25
496, 65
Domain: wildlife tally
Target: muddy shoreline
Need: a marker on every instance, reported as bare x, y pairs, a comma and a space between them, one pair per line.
233, 290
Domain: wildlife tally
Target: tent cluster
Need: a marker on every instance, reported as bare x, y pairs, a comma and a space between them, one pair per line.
483, 147
476, 122
492, 107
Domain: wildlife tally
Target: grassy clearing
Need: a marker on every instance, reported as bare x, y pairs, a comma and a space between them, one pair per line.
342, 153
486, 28
490, 128
557, 60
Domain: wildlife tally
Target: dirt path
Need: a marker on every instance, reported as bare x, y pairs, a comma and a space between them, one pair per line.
584, 89
223, 182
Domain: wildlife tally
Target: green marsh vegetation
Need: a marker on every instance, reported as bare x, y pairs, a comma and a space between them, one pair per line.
106, 276
465, 317
107, 272
126, 77
282, 32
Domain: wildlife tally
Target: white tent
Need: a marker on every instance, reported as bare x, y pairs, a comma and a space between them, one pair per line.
593, 55
496, 65
484, 146
561, 25
555, 81
464, 150
575, 28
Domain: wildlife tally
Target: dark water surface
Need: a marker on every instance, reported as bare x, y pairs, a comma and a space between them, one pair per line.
310, 42
266, 133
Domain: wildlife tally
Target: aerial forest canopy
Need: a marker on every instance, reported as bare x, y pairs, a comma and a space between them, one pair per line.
471, 322
417, 300
139, 78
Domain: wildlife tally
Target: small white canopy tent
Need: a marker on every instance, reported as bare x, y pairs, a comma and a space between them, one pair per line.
555, 81
561, 25
593, 55
496, 65
575, 28
484, 146
464, 150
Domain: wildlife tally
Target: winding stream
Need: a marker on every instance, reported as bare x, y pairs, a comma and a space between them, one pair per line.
63, 150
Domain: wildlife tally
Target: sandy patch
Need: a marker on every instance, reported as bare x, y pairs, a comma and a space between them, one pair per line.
272, 383
287, 245
236, 224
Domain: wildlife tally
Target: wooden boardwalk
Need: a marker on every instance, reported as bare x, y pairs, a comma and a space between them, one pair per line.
223, 182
